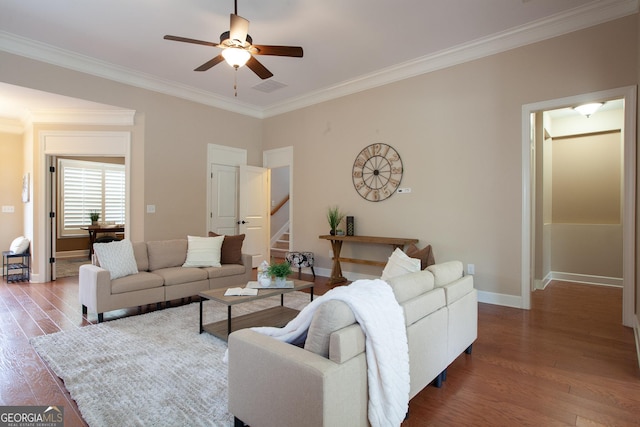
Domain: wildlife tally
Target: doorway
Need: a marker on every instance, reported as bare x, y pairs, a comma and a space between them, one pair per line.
72, 143
531, 208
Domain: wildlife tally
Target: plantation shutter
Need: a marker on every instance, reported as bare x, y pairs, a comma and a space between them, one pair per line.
87, 187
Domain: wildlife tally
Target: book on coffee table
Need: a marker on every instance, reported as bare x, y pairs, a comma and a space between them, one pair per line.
288, 284
240, 292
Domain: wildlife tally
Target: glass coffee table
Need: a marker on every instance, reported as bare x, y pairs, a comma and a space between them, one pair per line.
275, 316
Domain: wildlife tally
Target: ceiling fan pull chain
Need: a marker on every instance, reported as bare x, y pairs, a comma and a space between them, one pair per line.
235, 80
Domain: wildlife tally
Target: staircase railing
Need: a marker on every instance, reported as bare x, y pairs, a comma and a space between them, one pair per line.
280, 205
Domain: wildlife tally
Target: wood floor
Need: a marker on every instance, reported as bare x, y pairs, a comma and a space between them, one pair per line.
568, 361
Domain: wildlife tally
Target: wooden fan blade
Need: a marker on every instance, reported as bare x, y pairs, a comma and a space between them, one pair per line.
204, 67
186, 40
258, 68
295, 51
238, 28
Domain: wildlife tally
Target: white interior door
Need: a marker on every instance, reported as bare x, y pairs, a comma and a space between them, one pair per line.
254, 212
224, 193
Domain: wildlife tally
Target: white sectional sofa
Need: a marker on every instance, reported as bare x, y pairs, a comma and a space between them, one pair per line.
160, 278
272, 383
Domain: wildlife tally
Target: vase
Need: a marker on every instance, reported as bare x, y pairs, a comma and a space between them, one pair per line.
332, 232
265, 281
280, 282
350, 226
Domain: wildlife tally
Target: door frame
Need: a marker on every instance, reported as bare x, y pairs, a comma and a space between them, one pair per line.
74, 143
628, 94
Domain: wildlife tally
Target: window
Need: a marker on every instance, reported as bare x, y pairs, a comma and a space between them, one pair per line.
87, 187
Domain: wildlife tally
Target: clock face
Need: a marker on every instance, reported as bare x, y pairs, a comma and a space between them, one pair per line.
377, 172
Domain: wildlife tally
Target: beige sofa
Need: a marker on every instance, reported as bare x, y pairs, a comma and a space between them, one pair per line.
272, 383
160, 278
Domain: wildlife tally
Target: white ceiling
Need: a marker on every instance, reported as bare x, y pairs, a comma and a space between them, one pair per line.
348, 45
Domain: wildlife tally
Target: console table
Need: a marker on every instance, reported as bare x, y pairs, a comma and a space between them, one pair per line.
336, 246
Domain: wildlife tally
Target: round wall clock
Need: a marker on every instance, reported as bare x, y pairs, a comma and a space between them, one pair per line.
377, 172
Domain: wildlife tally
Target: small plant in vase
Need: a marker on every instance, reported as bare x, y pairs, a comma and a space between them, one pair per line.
280, 271
94, 216
335, 217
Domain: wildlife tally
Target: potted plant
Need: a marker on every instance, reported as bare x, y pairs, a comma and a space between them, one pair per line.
334, 216
280, 271
94, 216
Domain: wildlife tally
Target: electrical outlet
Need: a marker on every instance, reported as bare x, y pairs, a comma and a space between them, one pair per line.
151, 208
471, 269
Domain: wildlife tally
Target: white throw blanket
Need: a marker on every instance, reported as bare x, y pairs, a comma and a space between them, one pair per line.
382, 320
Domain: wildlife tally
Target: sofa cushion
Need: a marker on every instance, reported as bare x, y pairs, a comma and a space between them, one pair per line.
225, 270
116, 257
446, 272
425, 255
203, 251
231, 252
136, 282
399, 263
329, 317
458, 288
166, 253
423, 305
411, 285
180, 275
140, 253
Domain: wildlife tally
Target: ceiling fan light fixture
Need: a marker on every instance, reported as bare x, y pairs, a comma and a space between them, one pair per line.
236, 57
588, 109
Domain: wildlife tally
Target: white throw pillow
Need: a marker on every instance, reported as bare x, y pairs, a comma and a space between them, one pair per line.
117, 257
203, 251
19, 245
399, 263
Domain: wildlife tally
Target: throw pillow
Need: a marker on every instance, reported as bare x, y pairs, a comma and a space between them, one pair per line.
116, 257
203, 251
19, 245
425, 255
399, 263
231, 252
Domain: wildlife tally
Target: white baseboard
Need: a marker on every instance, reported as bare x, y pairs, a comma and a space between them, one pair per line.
584, 278
500, 299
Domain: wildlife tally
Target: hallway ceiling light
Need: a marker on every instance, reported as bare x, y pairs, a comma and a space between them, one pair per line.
588, 109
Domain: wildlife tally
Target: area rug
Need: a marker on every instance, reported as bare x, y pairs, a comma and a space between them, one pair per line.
153, 369
69, 267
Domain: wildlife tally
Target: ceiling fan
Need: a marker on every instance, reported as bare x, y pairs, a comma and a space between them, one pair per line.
238, 48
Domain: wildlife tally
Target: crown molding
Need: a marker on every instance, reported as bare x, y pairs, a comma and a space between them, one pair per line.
84, 117
11, 125
594, 13
583, 17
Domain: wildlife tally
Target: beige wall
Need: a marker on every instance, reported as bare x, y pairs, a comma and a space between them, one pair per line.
11, 173
587, 175
458, 131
